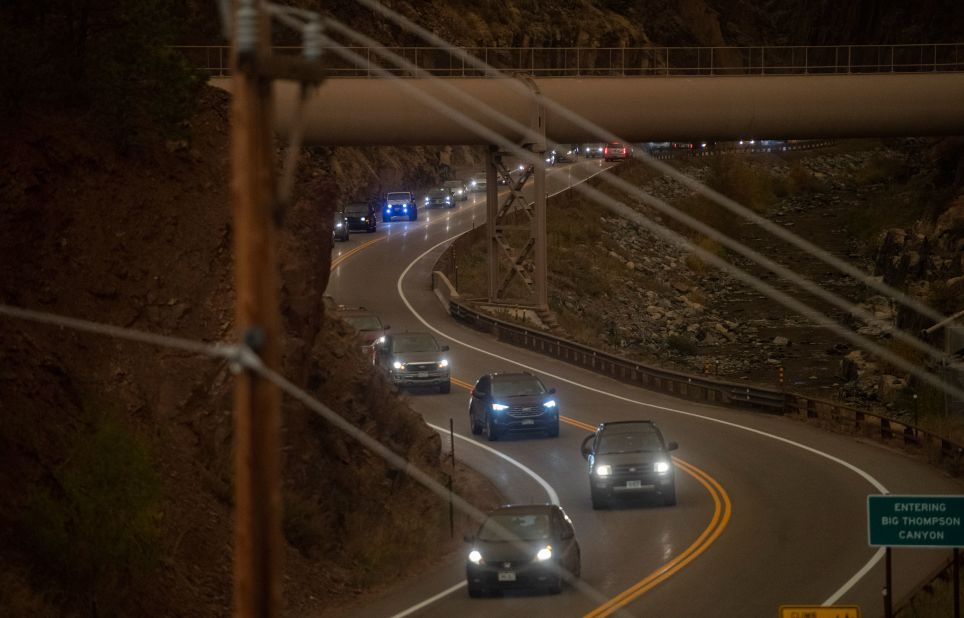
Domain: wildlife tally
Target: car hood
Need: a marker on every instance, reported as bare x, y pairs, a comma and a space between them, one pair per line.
618, 459
524, 401
417, 357
506, 551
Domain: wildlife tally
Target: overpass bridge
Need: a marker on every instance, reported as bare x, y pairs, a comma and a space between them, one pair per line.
589, 95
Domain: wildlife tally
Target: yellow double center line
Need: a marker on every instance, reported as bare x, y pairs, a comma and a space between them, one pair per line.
335, 263
722, 510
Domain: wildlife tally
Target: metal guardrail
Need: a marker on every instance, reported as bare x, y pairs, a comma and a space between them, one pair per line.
696, 150
938, 449
214, 60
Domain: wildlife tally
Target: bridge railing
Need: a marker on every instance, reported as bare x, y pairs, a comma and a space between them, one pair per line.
937, 449
214, 60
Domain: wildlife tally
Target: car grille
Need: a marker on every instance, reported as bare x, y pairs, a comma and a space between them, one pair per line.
634, 468
421, 366
524, 411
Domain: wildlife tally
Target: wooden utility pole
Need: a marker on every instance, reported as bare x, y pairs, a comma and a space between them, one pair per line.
257, 402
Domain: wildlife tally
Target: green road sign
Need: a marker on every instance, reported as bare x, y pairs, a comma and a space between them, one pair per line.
915, 521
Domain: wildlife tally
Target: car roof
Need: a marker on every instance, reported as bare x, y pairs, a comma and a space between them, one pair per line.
510, 374
628, 426
524, 508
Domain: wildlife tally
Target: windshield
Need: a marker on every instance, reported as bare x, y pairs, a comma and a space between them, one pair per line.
417, 343
398, 196
357, 209
364, 322
515, 386
453, 184
635, 442
515, 527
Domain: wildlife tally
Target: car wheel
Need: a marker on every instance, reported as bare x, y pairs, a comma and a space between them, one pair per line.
475, 426
669, 496
490, 431
445, 388
412, 216
556, 586
554, 430
476, 592
599, 501
577, 569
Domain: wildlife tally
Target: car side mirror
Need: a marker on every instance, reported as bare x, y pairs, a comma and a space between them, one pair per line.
386, 327
585, 449
567, 534
552, 390
672, 446
444, 348
478, 394
469, 538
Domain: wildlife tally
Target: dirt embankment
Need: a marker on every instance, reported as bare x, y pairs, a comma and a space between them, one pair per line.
144, 240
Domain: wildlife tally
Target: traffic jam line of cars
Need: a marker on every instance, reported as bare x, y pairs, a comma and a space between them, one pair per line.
530, 546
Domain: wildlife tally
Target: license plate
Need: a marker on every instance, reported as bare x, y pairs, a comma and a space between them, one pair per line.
423, 374
634, 484
528, 421
506, 576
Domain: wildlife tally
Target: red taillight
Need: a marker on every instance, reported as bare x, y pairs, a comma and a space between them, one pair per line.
624, 152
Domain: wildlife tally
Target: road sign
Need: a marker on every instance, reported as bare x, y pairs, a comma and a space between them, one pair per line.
819, 611
915, 521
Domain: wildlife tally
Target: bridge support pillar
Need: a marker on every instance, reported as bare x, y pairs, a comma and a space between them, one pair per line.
517, 227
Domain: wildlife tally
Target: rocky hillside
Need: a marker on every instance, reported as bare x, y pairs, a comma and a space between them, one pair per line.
892, 209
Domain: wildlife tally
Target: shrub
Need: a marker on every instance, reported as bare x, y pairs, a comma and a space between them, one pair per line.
98, 526
681, 344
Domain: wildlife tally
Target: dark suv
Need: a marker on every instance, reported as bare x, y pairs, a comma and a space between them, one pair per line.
361, 216
628, 458
504, 402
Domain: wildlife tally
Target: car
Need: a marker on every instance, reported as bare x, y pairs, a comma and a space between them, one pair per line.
415, 359
617, 151
361, 216
370, 329
399, 204
523, 546
478, 182
592, 151
457, 188
339, 226
438, 197
628, 458
566, 153
504, 402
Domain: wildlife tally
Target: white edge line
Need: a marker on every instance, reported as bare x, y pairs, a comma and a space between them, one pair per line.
553, 496
411, 610
863, 474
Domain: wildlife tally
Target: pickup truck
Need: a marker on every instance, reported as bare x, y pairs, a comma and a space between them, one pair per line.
399, 204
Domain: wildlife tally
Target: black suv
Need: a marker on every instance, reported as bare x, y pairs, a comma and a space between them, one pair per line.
503, 402
627, 458
361, 216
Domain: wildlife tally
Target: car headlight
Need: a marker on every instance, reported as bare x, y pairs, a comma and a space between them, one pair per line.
398, 365
475, 557
604, 470
404, 206
499, 407
442, 364
380, 339
363, 218
662, 467
549, 404
545, 553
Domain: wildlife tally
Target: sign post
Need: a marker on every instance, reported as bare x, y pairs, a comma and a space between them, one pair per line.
915, 521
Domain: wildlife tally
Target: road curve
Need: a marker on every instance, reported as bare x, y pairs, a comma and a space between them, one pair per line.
793, 497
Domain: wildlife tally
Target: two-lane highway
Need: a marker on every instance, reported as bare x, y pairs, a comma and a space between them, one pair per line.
770, 511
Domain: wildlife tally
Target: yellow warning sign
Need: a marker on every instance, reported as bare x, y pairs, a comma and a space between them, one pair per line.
819, 611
